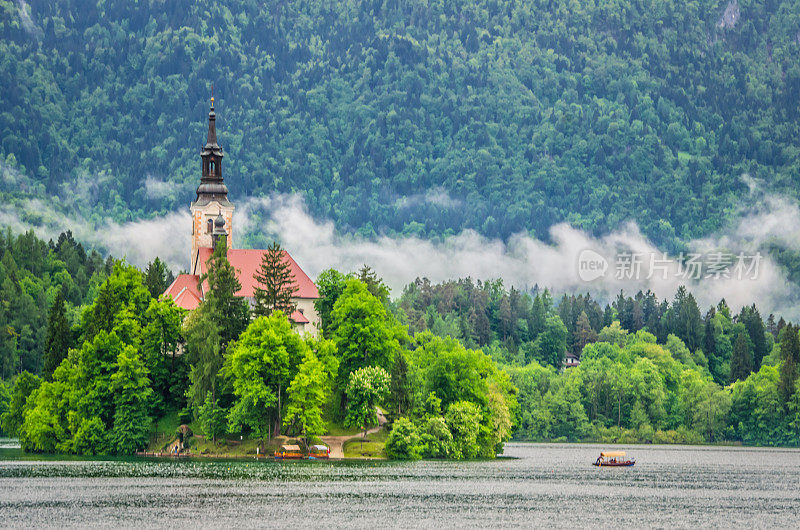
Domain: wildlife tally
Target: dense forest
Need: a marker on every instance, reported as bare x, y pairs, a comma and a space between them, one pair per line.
459, 367
412, 117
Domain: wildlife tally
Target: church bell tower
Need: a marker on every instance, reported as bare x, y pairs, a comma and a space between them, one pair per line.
212, 198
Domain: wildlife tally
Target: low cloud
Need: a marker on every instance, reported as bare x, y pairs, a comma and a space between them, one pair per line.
136, 241
157, 189
524, 262
27, 22
520, 261
437, 196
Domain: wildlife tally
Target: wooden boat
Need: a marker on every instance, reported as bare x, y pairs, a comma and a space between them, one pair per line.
317, 452
613, 459
289, 452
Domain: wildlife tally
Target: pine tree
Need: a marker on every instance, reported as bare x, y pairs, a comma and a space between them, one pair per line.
751, 319
790, 358
230, 312
584, 334
772, 327
59, 337
709, 337
374, 284
608, 316
780, 326
276, 283
688, 325
741, 360
157, 277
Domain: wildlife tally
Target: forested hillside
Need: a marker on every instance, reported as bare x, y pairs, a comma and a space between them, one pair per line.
414, 117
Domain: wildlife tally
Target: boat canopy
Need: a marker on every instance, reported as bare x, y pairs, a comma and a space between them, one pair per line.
612, 454
319, 447
291, 448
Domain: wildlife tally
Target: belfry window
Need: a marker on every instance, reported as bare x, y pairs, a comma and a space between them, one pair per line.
210, 225
211, 168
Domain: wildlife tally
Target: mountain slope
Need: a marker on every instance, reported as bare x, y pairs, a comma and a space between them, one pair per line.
415, 117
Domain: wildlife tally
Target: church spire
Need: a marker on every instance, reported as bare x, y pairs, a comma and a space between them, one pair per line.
212, 127
212, 187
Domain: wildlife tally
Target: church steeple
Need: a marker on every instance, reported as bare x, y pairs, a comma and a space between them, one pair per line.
212, 187
212, 212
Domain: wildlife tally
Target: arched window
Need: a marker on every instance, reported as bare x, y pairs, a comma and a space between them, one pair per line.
210, 225
211, 168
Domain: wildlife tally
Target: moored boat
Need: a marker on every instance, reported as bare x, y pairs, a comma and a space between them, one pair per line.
613, 459
289, 452
316, 452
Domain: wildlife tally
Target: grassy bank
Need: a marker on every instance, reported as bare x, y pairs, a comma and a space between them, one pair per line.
371, 447
164, 433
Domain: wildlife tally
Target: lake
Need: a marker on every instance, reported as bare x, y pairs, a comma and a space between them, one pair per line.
551, 485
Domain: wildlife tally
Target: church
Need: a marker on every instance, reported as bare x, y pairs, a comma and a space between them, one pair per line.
212, 224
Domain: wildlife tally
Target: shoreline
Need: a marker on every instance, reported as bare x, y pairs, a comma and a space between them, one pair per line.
16, 453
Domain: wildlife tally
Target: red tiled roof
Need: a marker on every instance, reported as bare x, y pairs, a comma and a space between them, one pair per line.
246, 263
299, 318
187, 300
184, 291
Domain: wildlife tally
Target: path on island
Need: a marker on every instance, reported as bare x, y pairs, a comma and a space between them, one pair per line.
336, 443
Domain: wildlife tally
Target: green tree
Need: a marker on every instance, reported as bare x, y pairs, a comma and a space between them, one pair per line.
203, 349
307, 395
584, 334
551, 345
741, 359
261, 367
400, 393
464, 419
122, 296
276, 283
130, 385
212, 417
364, 332
230, 312
436, 439
711, 413
161, 338
5, 398
790, 358
754, 325
374, 284
403, 442
59, 337
366, 387
22, 386
330, 284
44, 428
685, 319
157, 277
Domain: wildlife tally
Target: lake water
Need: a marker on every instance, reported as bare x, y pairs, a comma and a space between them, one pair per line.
539, 485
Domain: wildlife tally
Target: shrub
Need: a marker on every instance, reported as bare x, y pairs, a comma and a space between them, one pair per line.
404, 441
437, 440
464, 420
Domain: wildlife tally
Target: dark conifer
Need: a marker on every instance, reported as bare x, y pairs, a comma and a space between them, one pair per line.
741, 359
230, 312
790, 359
276, 283
59, 337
